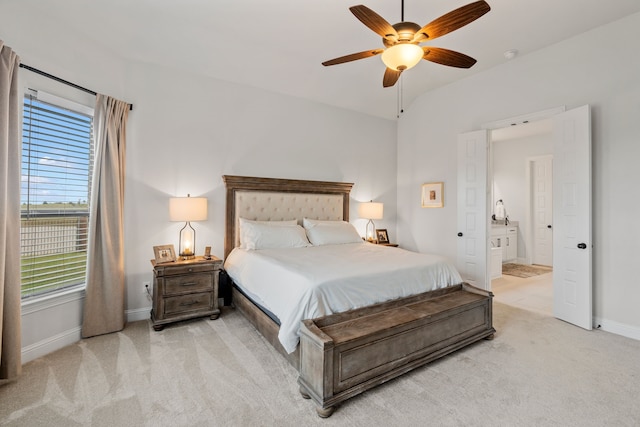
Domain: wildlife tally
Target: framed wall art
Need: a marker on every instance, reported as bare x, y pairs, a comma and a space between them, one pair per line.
164, 254
432, 195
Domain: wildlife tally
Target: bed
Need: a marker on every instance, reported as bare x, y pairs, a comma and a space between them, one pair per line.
341, 347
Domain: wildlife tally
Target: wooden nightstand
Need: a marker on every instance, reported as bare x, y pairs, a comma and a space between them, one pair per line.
185, 290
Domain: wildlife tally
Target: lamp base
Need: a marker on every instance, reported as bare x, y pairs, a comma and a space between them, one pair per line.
370, 232
187, 242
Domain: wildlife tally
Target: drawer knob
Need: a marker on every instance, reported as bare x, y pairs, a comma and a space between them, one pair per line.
188, 284
190, 270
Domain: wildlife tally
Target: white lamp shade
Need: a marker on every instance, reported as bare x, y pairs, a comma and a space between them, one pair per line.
402, 56
371, 210
187, 209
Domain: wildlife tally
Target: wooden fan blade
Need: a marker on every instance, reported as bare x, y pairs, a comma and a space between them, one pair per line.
353, 57
375, 22
447, 57
390, 77
453, 20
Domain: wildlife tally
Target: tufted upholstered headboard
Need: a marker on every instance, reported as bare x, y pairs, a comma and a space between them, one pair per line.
273, 199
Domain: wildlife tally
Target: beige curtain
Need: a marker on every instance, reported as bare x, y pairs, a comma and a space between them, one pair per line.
10, 152
104, 303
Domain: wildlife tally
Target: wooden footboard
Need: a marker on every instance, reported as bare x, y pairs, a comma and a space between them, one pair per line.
345, 354
264, 324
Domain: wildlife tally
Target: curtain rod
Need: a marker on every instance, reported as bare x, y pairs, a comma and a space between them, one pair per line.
58, 79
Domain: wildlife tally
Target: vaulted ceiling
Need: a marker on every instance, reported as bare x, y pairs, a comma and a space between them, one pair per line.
278, 45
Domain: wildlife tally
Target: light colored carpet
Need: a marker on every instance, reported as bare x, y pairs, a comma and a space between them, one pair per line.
524, 270
538, 371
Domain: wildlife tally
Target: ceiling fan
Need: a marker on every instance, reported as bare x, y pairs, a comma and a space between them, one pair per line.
402, 40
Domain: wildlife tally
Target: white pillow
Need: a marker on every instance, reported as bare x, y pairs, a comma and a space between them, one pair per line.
308, 222
247, 225
330, 232
255, 235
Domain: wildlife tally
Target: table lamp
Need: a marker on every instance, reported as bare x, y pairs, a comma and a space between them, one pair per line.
370, 210
187, 209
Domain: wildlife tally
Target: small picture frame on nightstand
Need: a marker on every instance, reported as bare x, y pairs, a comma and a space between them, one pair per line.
164, 254
382, 235
207, 252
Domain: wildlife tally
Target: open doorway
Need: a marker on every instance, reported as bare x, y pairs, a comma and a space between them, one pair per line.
521, 181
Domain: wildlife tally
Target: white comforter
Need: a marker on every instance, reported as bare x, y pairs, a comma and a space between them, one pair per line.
305, 283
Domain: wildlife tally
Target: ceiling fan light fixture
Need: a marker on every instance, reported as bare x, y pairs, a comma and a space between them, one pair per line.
402, 56
402, 40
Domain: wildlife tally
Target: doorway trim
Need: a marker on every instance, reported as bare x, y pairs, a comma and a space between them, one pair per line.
524, 118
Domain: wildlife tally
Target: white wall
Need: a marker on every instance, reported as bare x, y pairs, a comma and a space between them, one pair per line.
184, 133
187, 131
510, 158
596, 68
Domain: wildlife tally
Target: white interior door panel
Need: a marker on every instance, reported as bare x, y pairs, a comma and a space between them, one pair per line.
572, 247
473, 259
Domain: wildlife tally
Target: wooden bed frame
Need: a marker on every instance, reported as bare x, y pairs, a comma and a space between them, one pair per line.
345, 354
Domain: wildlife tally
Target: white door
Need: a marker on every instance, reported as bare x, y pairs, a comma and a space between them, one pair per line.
542, 205
572, 250
473, 149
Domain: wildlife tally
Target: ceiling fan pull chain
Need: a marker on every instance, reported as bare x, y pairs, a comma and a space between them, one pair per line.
401, 94
398, 102
400, 106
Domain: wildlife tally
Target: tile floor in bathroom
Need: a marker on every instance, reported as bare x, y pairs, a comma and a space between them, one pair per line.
532, 293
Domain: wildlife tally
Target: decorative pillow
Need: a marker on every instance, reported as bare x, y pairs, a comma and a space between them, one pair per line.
255, 235
330, 232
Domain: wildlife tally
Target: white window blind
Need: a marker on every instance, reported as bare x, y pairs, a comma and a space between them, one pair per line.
57, 161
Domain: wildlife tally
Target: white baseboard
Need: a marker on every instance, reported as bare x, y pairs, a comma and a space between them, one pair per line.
617, 328
71, 336
138, 314
51, 344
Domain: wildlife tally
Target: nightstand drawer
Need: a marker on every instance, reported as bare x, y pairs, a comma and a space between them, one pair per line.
177, 269
183, 304
199, 282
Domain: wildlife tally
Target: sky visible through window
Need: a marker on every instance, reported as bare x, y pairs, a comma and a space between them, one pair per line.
56, 156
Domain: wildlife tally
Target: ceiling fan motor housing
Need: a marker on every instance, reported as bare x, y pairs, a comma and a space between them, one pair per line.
406, 30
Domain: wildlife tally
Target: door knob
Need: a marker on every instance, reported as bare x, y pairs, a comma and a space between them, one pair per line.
582, 246
459, 234
549, 226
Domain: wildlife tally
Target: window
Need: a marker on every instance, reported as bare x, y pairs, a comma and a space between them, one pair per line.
57, 162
